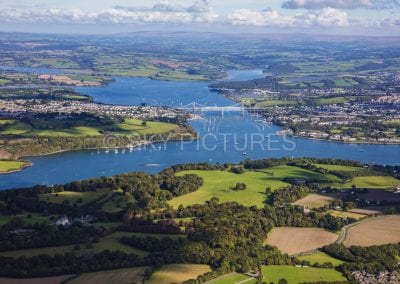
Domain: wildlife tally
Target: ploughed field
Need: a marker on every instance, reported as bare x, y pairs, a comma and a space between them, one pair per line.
377, 231
292, 240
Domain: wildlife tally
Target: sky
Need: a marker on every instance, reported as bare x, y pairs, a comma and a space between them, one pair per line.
355, 17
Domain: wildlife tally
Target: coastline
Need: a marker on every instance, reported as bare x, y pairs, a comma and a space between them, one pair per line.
342, 142
26, 165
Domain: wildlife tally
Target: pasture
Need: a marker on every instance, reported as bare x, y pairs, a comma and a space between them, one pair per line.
73, 196
177, 273
293, 241
320, 257
376, 231
233, 277
217, 184
345, 214
294, 275
120, 276
373, 182
317, 200
9, 166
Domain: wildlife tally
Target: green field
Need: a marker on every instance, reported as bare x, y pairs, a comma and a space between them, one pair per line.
110, 242
233, 277
345, 215
339, 168
128, 127
177, 273
373, 182
29, 219
9, 166
320, 257
217, 184
73, 197
294, 275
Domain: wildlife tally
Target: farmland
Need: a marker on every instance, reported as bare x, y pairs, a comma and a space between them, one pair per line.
217, 183
120, 276
232, 278
320, 257
44, 280
74, 197
316, 200
299, 240
176, 273
294, 275
373, 182
9, 166
377, 231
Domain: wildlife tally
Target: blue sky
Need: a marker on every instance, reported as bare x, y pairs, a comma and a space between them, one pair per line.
379, 17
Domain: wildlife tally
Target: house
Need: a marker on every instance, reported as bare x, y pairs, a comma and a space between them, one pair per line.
63, 221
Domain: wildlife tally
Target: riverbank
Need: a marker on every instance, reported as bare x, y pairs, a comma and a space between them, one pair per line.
13, 166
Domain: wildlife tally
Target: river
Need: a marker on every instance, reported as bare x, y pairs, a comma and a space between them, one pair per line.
232, 137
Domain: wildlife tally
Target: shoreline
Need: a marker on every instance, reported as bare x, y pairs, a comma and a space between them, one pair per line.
341, 142
26, 165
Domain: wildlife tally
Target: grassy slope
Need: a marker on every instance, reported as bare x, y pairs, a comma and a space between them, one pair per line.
8, 166
72, 197
295, 275
321, 258
177, 273
374, 182
217, 183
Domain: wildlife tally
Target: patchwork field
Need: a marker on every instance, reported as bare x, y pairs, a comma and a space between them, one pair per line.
292, 240
317, 200
377, 231
177, 273
320, 257
217, 184
294, 275
120, 276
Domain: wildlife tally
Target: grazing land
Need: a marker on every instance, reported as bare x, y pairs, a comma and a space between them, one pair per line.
292, 240
345, 214
177, 273
10, 166
339, 168
294, 275
373, 182
377, 231
217, 183
320, 257
120, 276
317, 200
74, 196
233, 277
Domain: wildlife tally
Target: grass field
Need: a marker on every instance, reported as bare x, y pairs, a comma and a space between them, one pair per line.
320, 257
345, 215
373, 182
120, 276
177, 273
110, 242
34, 218
233, 277
292, 240
217, 183
377, 231
9, 166
317, 200
73, 197
128, 127
294, 275
339, 168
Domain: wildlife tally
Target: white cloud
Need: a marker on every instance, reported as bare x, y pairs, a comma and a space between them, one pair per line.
162, 12
328, 17
340, 4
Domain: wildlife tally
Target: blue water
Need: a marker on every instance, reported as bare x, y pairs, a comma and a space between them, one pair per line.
231, 138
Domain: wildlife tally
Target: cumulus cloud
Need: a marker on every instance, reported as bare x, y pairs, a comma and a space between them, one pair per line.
164, 11
340, 4
328, 17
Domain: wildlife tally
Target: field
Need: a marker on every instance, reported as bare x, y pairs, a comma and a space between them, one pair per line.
320, 257
120, 276
292, 240
45, 280
233, 277
217, 183
177, 273
74, 197
28, 218
317, 200
339, 168
377, 231
345, 215
373, 182
109, 242
294, 275
9, 166
49, 129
